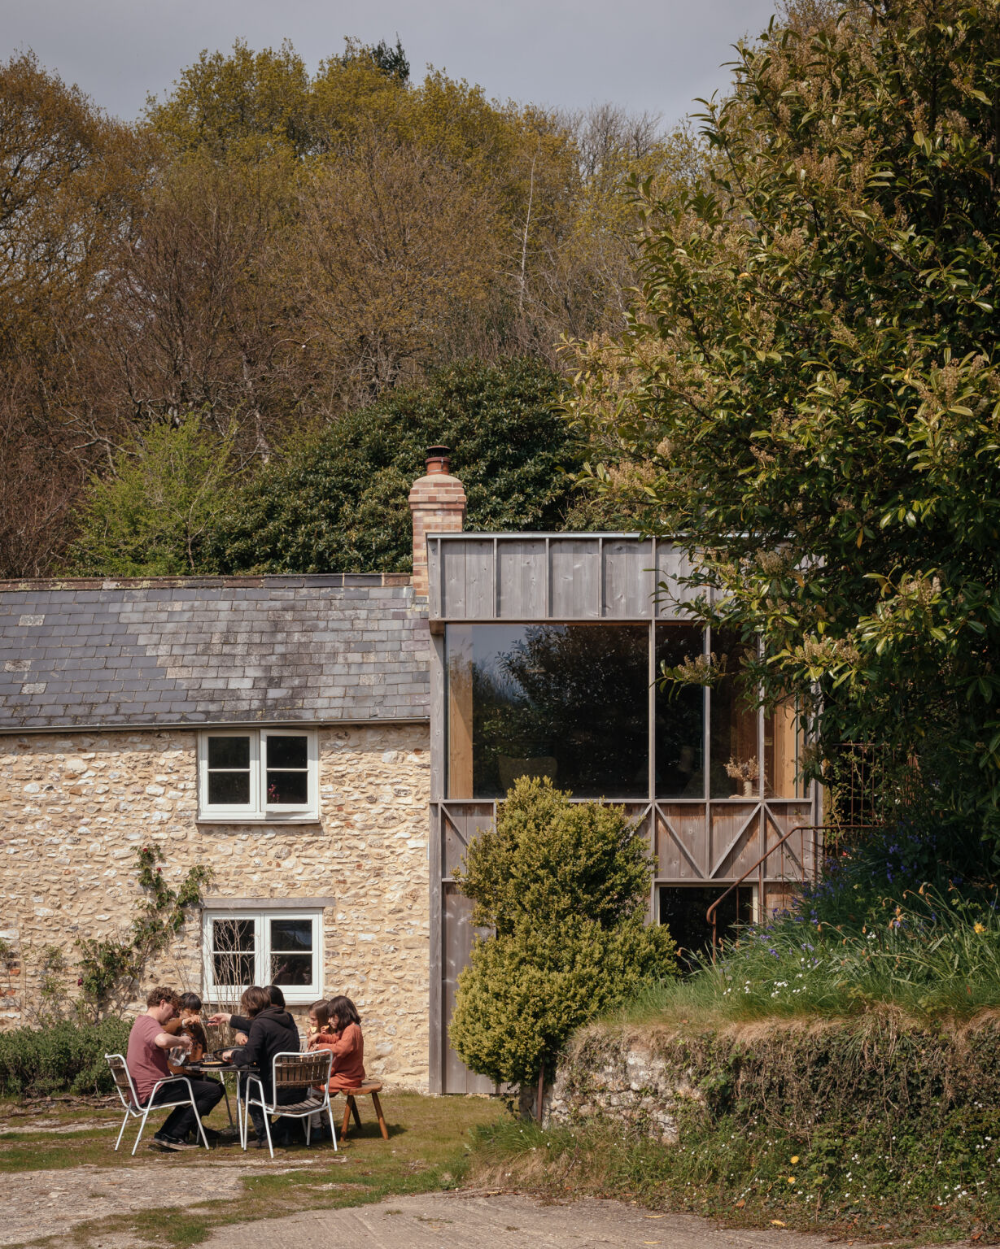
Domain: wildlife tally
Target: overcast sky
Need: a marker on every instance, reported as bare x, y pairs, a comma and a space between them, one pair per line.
656, 55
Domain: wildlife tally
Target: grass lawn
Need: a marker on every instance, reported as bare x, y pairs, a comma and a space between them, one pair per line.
69, 1149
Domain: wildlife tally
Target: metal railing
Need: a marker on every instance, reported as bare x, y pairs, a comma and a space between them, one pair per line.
798, 878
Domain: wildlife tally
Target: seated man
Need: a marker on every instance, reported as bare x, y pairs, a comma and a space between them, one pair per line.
148, 1044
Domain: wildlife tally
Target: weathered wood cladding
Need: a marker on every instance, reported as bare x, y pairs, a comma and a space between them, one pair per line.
555, 577
706, 840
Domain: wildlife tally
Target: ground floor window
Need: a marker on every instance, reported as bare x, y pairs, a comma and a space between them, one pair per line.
263, 947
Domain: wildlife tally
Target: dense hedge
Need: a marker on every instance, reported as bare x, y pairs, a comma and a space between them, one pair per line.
337, 502
64, 1057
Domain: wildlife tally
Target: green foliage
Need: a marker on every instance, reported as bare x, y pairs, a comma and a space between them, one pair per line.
563, 886
549, 860
933, 955
811, 372
111, 968
149, 516
244, 102
338, 501
61, 1057
389, 60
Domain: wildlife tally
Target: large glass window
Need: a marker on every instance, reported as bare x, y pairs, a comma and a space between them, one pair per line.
735, 760
783, 743
680, 716
570, 702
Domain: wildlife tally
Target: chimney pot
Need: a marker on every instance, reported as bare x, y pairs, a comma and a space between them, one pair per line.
438, 460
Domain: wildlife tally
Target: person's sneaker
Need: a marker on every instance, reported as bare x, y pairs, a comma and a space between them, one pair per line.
168, 1144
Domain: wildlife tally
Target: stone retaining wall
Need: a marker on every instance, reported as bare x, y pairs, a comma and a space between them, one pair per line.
624, 1083
75, 807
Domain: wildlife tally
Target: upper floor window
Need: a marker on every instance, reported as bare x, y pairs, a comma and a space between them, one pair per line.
573, 702
258, 774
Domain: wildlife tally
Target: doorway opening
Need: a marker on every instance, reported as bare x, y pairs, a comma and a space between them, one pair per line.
683, 909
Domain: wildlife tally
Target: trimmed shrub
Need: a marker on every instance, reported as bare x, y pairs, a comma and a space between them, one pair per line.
63, 1057
564, 888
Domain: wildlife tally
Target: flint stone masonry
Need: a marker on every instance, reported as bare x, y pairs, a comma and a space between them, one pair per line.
74, 807
621, 1083
211, 650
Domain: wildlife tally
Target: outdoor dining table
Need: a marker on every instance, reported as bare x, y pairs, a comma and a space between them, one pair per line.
221, 1069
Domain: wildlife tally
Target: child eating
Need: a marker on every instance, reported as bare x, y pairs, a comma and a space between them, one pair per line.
343, 1036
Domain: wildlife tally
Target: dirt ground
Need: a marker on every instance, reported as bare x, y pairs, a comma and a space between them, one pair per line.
51, 1203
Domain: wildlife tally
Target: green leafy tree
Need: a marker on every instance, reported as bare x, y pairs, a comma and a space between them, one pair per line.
245, 103
810, 379
389, 60
564, 887
338, 501
149, 517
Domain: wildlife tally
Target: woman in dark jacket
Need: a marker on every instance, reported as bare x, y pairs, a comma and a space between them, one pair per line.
270, 1031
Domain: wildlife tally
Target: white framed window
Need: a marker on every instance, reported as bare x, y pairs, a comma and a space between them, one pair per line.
258, 774
248, 947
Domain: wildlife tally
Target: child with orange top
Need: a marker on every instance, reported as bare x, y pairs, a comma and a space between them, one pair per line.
338, 1028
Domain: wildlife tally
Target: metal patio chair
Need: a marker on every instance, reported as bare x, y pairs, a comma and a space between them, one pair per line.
290, 1070
130, 1099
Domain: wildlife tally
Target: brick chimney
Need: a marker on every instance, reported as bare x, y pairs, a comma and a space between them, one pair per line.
437, 502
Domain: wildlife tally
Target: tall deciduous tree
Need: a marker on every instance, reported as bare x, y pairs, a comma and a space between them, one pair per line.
811, 377
150, 516
70, 182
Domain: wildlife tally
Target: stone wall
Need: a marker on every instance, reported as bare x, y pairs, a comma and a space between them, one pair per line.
75, 807
619, 1079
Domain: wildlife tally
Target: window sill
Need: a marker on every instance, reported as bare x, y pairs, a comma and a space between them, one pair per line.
258, 820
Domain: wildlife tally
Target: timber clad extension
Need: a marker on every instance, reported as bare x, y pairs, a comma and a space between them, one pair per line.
547, 649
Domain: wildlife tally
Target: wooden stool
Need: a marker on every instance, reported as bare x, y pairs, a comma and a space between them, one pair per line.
369, 1088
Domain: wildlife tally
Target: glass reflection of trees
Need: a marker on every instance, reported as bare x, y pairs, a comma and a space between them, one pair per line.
571, 702
680, 717
565, 701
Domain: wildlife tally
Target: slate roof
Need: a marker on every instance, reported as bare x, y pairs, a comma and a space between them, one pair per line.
211, 650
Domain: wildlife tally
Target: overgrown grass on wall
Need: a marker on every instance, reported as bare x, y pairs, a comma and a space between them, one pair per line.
62, 1057
932, 954
873, 1127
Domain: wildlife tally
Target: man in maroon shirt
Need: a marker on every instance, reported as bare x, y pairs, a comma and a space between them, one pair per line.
148, 1044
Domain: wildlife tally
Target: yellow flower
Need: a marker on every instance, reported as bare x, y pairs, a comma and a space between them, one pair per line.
795, 1159
791, 1179
979, 928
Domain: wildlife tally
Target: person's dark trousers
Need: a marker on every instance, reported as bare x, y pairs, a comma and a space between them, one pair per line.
281, 1129
181, 1120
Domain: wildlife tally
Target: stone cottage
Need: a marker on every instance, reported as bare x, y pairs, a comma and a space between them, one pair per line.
328, 745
